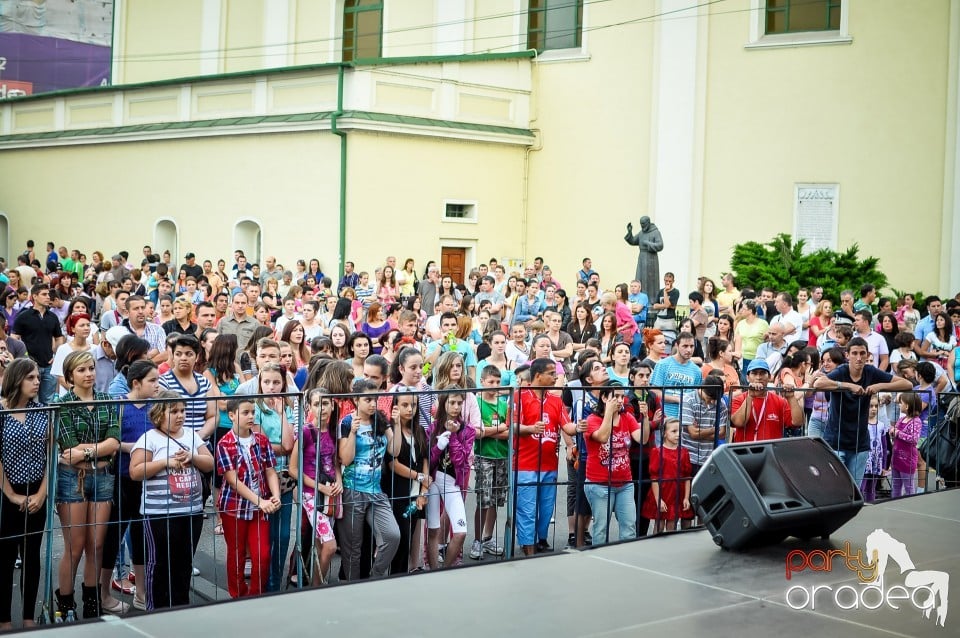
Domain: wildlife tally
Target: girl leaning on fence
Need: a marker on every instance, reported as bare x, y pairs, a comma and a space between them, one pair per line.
88, 435
125, 515
169, 459
24, 446
317, 468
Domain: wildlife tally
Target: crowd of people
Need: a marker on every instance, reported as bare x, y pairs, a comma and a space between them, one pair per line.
377, 403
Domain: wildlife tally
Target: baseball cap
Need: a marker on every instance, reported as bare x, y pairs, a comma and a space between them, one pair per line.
189, 256
756, 364
115, 334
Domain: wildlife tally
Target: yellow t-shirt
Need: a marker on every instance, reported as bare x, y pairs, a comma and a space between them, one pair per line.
727, 299
751, 336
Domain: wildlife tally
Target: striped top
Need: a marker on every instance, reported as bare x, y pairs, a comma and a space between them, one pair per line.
196, 411
171, 493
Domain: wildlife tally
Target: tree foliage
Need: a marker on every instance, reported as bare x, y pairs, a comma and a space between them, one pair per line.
781, 265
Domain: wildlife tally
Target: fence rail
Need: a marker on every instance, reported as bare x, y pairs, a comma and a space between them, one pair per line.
490, 491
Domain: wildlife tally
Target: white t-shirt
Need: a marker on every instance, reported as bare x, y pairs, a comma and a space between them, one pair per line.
161, 496
876, 344
794, 319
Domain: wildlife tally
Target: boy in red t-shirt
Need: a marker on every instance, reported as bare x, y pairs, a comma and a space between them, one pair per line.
609, 486
540, 417
765, 415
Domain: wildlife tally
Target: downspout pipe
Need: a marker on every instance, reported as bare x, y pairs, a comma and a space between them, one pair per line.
342, 240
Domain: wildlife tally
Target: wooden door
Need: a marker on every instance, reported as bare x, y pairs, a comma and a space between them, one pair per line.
453, 262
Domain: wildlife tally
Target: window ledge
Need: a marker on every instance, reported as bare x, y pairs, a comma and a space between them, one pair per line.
806, 38
563, 55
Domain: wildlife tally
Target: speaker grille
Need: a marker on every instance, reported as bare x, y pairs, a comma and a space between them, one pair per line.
820, 478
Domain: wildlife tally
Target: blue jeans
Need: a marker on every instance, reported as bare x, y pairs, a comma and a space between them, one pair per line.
623, 506
48, 386
855, 462
279, 541
535, 505
815, 427
96, 486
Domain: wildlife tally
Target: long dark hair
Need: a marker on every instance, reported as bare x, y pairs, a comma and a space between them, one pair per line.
138, 371
331, 426
223, 353
442, 417
605, 393
379, 420
342, 310
13, 377
420, 443
129, 349
303, 351
943, 335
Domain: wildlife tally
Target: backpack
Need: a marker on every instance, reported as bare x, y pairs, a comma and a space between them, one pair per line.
941, 448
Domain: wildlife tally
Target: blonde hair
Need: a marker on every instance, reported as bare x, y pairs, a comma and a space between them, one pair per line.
74, 360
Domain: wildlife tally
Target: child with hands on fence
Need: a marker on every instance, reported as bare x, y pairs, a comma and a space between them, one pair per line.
451, 444
251, 492
321, 480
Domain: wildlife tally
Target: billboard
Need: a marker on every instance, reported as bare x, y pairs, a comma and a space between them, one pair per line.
49, 45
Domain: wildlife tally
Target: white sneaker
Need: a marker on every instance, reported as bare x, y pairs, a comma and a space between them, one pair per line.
476, 552
492, 547
196, 572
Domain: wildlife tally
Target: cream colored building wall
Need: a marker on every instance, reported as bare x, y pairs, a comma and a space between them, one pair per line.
396, 189
243, 36
316, 31
203, 185
592, 174
869, 115
498, 25
157, 40
408, 27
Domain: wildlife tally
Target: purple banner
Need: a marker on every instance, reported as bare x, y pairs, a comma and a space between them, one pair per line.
51, 64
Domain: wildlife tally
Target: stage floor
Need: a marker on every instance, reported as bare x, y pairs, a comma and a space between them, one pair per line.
679, 585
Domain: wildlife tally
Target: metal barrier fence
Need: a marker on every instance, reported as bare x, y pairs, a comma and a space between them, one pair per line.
490, 491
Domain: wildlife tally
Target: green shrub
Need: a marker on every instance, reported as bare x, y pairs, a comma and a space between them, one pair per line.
781, 265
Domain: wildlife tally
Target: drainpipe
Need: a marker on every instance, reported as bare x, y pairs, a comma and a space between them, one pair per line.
342, 245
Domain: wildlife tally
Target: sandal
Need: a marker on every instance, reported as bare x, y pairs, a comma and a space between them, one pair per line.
218, 529
118, 607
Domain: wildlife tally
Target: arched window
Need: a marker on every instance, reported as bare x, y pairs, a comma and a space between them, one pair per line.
362, 29
248, 237
166, 236
5, 242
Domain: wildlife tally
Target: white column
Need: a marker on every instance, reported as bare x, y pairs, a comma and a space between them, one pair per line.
677, 138
950, 236
211, 54
451, 19
276, 33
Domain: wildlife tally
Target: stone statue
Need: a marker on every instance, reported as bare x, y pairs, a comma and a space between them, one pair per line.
650, 243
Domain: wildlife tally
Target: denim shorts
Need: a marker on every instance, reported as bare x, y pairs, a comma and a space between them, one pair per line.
97, 485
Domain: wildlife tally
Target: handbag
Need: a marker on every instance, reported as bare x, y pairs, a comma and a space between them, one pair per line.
331, 506
626, 333
941, 448
288, 483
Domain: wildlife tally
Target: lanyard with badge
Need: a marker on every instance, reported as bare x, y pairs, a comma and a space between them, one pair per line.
758, 419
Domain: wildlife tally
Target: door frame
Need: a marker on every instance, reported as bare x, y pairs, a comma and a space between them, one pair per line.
470, 259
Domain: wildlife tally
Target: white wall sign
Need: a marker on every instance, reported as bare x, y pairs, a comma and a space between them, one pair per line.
816, 215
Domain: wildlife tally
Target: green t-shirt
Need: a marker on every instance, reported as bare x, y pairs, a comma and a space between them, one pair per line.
492, 414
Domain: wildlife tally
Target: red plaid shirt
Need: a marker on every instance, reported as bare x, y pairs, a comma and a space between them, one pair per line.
229, 457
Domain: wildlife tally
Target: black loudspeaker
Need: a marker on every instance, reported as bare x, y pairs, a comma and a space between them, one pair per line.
752, 494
